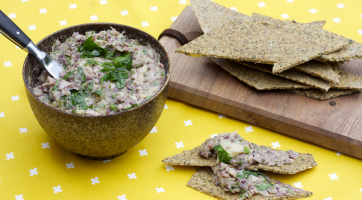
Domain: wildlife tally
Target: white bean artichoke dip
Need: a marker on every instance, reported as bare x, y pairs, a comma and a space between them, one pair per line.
104, 73
232, 149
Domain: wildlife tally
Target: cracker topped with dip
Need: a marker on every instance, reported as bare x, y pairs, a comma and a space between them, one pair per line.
229, 169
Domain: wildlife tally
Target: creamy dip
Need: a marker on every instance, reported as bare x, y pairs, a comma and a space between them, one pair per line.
232, 148
104, 73
249, 183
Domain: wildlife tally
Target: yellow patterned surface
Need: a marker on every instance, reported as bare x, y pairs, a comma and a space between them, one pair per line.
33, 166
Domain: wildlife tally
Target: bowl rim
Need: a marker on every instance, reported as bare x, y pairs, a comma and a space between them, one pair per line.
107, 115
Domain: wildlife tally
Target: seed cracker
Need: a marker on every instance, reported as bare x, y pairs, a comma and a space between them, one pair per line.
211, 15
264, 43
192, 158
293, 75
348, 81
347, 53
202, 181
269, 20
319, 95
319, 69
255, 78
336, 67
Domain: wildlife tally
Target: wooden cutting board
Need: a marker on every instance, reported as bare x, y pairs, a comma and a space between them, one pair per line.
200, 82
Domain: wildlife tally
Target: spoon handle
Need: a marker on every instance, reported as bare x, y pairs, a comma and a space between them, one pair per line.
11, 31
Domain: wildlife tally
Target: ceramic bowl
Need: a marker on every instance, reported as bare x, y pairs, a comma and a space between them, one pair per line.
96, 137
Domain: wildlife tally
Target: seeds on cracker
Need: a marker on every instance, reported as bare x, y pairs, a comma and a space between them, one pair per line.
348, 81
319, 95
347, 53
231, 148
211, 15
255, 78
293, 75
319, 69
269, 20
202, 181
265, 43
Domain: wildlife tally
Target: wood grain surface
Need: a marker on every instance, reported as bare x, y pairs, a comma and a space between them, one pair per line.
200, 82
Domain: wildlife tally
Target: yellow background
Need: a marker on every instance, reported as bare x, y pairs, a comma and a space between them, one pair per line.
151, 173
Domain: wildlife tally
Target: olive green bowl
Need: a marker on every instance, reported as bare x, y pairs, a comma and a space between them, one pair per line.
96, 137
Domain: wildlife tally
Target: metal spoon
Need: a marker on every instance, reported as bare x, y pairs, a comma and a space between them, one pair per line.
11, 31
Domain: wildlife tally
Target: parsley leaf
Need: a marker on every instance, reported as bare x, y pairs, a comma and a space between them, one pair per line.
263, 186
81, 74
246, 150
78, 98
92, 48
223, 155
134, 105
113, 108
55, 88
123, 61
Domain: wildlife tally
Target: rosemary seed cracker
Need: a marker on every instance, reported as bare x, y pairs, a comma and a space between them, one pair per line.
202, 181
269, 20
347, 53
293, 75
336, 67
255, 78
319, 95
211, 15
192, 158
348, 81
264, 43
319, 69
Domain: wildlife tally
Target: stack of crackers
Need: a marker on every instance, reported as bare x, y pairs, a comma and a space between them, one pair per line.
267, 53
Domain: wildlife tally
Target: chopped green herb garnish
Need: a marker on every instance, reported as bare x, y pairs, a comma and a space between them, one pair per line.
81, 74
113, 108
55, 88
67, 75
99, 92
246, 150
263, 186
91, 49
91, 62
144, 51
134, 105
90, 86
223, 155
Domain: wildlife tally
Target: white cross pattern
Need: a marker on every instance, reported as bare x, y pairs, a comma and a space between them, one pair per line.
69, 165
103, 2
57, 189
153, 8
12, 15
182, 2
123, 197
261, 4
105, 161
24, 0
212, 136
160, 190
298, 185
2, 114
7, 64
169, 167
360, 190
33, 171
144, 24
329, 198
9, 156
188, 122
45, 145
338, 153
285, 15
23, 130
290, 1
340, 5
313, 10
360, 32
124, 12
43, 11
179, 145
249, 129
337, 20
31, 27
17, 32
333, 176
234, 8
221, 116
94, 180
15, 98
173, 19
275, 144
72, 6
19, 197
132, 176
93, 17
143, 152
154, 130
63, 23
